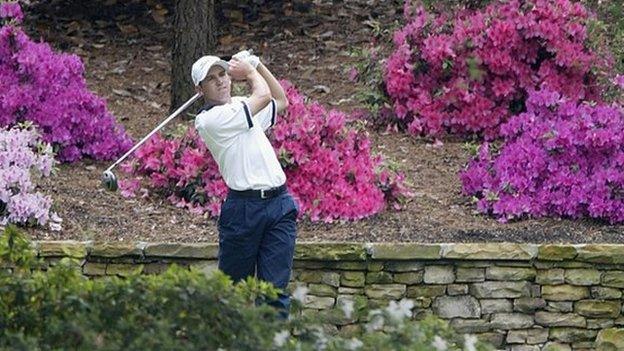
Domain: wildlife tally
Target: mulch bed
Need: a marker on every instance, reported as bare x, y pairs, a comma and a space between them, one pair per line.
127, 61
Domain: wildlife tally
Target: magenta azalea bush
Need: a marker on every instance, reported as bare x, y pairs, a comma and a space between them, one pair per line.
23, 160
470, 72
560, 158
49, 89
178, 168
10, 11
329, 166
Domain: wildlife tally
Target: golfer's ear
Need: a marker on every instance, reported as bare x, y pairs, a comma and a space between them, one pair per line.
198, 90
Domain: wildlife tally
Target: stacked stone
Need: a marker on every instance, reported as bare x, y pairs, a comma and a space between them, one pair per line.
124, 258
516, 296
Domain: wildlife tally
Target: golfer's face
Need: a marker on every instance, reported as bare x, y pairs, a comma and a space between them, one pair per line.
217, 84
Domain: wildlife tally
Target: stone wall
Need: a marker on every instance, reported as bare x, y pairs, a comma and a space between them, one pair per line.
517, 296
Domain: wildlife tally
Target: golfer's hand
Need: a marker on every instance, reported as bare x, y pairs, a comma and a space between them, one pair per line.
241, 55
253, 60
246, 55
239, 69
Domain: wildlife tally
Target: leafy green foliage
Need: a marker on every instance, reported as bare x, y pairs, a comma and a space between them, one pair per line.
368, 72
179, 310
57, 308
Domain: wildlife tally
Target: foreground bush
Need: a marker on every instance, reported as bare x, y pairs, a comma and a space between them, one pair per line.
329, 166
59, 309
560, 158
469, 73
179, 310
24, 159
49, 89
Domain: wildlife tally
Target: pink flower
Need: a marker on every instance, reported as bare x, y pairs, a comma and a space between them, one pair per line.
49, 89
353, 74
11, 9
619, 81
470, 72
502, 88
24, 158
129, 187
437, 48
562, 159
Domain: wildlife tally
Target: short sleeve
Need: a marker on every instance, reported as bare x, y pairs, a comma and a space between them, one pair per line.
267, 115
225, 121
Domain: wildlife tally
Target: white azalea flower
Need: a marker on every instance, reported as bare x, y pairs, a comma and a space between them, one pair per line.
406, 306
439, 344
54, 217
376, 321
394, 311
469, 342
280, 338
401, 310
321, 341
354, 344
347, 307
300, 293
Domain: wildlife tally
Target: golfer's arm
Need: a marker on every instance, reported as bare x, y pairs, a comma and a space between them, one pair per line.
260, 92
277, 92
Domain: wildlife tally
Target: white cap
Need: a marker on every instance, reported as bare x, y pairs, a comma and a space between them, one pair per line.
202, 66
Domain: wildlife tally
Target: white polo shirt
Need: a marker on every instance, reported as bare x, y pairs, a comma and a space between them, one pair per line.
237, 142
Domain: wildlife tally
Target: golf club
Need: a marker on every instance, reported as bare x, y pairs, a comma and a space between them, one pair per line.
109, 180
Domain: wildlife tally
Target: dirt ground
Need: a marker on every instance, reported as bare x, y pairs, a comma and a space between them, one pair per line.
125, 48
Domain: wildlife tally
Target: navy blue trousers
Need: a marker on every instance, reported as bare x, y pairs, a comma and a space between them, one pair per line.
258, 236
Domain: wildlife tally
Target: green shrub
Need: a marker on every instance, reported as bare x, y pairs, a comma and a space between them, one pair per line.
57, 308
179, 310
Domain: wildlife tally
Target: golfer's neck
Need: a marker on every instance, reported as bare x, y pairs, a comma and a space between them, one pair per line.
216, 103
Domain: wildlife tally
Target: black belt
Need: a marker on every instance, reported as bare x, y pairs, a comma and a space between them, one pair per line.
260, 194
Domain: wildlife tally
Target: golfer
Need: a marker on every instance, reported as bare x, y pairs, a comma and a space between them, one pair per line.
257, 225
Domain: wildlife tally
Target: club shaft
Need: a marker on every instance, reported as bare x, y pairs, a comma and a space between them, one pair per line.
162, 124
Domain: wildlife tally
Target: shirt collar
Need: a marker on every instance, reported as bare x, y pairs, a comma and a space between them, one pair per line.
206, 107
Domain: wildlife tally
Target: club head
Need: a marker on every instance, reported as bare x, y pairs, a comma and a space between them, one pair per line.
109, 181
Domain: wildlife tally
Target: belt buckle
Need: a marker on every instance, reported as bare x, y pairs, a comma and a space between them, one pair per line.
262, 194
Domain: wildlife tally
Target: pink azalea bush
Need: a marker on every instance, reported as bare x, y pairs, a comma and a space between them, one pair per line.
49, 89
11, 11
470, 72
559, 158
24, 159
178, 168
329, 166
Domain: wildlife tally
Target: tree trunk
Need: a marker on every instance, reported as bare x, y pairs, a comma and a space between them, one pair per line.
193, 37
